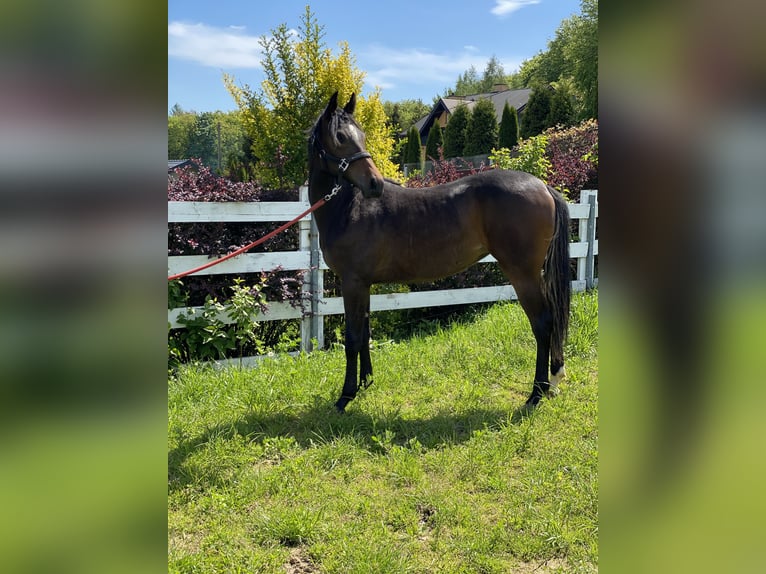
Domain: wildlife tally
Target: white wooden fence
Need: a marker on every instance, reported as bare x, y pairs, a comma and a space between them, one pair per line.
309, 259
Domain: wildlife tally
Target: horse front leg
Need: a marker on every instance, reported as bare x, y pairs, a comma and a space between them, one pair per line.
365, 367
356, 302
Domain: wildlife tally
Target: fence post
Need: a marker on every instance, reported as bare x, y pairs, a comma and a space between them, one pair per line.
590, 237
312, 323
317, 287
304, 244
582, 233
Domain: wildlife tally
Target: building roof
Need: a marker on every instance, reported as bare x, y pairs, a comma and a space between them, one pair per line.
174, 163
515, 98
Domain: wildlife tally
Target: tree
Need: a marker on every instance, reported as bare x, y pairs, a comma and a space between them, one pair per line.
454, 133
180, 124
469, 82
571, 56
481, 133
208, 136
202, 139
434, 142
561, 112
536, 113
581, 54
402, 115
301, 74
412, 151
493, 74
380, 141
545, 67
508, 135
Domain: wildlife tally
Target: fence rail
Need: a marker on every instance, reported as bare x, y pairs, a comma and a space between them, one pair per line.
308, 258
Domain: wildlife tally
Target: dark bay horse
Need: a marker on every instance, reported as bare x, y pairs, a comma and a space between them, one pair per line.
374, 231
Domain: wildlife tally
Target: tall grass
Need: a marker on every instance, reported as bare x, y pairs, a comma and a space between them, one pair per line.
434, 468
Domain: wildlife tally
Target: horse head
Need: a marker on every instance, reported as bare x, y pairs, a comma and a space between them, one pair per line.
337, 145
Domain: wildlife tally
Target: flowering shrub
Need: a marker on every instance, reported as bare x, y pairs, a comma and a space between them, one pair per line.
566, 159
443, 171
573, 154
199, 183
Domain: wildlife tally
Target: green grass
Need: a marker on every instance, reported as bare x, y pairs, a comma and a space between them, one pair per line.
434, 468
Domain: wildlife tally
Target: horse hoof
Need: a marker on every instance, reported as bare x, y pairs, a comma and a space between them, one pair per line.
532, 401
553, 389
552, 392
341, 405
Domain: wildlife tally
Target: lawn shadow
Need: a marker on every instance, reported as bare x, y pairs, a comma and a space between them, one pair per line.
320, 423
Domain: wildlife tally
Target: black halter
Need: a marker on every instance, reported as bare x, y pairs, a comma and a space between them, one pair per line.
343, 163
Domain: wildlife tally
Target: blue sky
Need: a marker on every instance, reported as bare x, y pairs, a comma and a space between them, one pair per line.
410, 49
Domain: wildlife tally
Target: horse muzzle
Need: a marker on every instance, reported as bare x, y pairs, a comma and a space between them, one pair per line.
374, 187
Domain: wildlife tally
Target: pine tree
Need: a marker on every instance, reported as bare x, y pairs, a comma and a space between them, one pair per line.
481, 133
562, 111
493, 74
412, 151
454, 133
535, 118
434, 142
508, 135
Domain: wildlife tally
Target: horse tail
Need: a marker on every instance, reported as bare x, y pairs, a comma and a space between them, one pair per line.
557, 286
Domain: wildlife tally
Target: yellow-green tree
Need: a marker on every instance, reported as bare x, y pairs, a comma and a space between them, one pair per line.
371, 115
301, 75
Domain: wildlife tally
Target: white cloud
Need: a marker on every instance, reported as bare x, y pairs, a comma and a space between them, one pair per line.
505, 7
216, 47
392, 68
386, 67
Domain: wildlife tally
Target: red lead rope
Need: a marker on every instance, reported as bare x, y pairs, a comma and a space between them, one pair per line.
277, 231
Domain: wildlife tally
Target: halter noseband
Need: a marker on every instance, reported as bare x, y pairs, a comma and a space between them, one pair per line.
343, 163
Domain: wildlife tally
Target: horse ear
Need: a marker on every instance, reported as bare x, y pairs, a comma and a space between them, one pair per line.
351, 105
332, 105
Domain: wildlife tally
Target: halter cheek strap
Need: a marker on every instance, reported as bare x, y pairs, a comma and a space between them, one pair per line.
343, 162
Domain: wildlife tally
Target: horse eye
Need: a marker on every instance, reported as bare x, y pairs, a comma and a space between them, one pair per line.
341, 138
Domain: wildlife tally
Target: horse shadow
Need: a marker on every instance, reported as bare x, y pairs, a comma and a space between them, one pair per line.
320, 423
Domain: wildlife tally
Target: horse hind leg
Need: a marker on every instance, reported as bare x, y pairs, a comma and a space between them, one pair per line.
532, 300
558, 372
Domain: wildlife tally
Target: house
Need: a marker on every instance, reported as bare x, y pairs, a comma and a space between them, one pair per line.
444, 108
175, 163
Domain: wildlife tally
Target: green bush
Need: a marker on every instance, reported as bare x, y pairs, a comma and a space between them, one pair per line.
530, 157
207, 336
